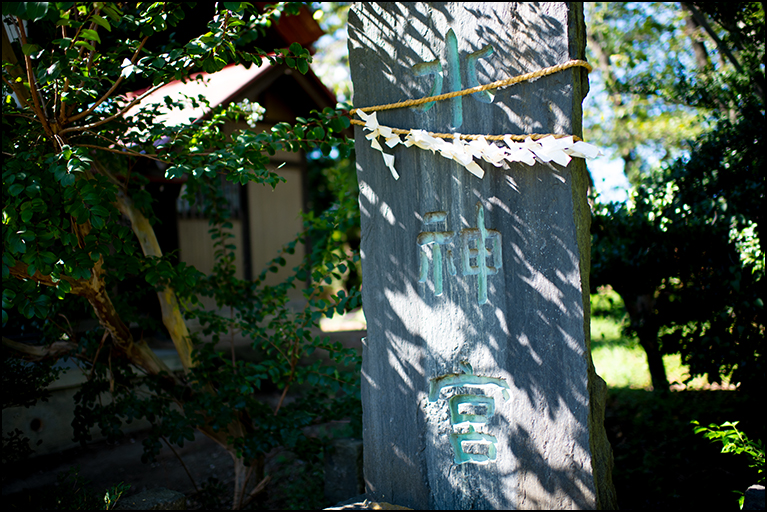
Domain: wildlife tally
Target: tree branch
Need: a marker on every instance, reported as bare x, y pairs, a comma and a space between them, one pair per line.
79, 287
33, 84
109, 92
701, 56
55, 350
124, 151
122, 112
703, 22
94, 291
15, 71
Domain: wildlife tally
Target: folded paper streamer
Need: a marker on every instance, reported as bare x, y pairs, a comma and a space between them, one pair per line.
559, 150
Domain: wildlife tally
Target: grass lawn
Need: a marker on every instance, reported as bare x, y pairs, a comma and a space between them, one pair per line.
622, 363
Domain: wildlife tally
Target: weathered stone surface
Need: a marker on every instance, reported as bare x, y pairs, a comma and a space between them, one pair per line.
478, 386
343, 470
754, 498
154, 499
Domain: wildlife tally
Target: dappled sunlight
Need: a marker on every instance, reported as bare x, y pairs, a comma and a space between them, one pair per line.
351, 321
472, 287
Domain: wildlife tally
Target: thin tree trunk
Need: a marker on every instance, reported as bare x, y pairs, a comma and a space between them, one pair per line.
641, 310
171, 312
648, 339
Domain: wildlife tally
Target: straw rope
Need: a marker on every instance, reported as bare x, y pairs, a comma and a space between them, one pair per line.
493, 85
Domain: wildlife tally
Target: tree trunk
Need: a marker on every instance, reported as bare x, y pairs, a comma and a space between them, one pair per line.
641, 310
171, 312
176, 325
648, 339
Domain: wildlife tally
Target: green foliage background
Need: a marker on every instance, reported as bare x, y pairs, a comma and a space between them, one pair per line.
77, 233
685, 88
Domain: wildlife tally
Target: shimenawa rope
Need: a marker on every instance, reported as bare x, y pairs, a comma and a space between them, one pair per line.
493, 85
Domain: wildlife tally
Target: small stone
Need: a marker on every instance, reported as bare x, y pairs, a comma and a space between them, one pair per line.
754, 499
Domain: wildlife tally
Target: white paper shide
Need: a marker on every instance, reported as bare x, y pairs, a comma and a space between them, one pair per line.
547, 149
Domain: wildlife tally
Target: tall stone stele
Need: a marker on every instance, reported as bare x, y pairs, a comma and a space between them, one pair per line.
478, 387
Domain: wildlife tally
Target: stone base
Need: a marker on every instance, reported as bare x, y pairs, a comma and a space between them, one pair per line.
754, 499
343, 470
363, 502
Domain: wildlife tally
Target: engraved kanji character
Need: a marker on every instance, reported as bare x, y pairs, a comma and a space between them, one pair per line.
480, 235
436, 239
470, 410
453, 76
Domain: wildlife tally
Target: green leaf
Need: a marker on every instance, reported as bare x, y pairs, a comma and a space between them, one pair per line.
112, 11
64, 286
176, 171
29, 49
295, 48
101, 22
317, 133
8, 297
16, 244
67, 180
89, 34
100, 211
15, 189
53, 71
85, 45
33, 10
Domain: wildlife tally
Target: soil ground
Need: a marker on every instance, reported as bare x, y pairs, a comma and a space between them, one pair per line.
106, 464
295, 483
659, 462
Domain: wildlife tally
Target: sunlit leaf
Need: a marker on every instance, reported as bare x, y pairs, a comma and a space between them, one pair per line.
89, 34
98, 20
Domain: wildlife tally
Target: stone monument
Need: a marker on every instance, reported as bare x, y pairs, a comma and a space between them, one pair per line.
478, 387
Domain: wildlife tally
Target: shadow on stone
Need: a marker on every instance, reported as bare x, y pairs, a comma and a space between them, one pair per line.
343, 470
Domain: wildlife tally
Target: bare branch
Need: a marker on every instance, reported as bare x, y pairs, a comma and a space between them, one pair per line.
28, 352
171, 311
691, 28
15, 71
20, 96
110, 91
33, 92
703, 22
93, 27
122, 112
78, 286
125, 152
257, 489
282, 399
